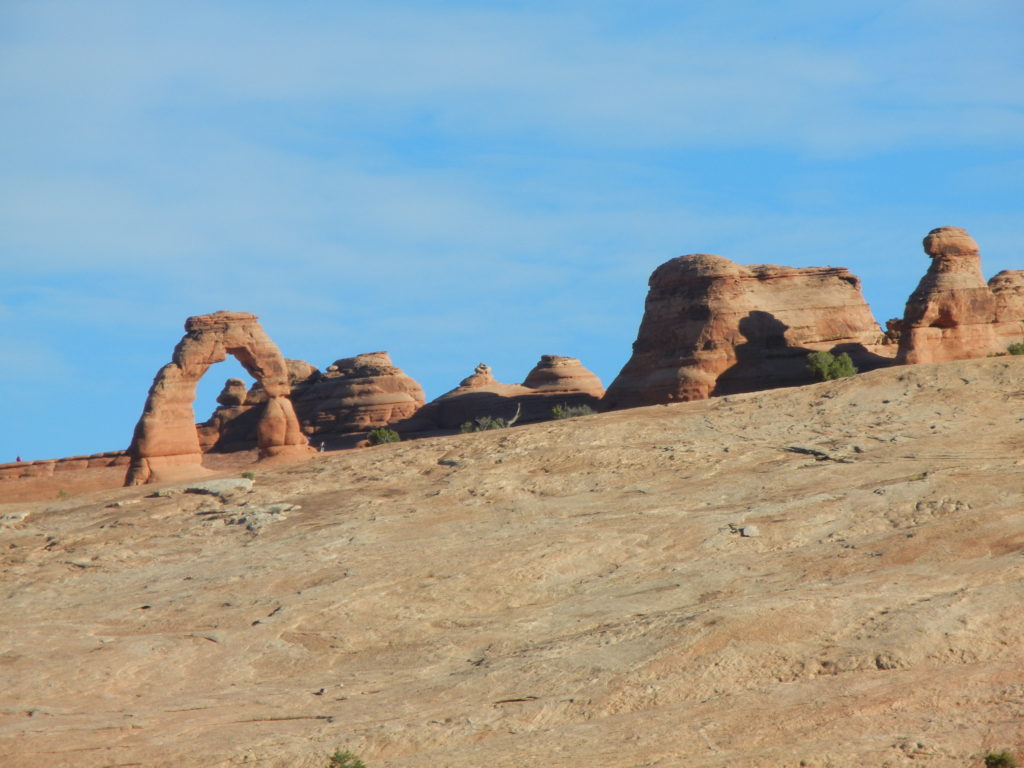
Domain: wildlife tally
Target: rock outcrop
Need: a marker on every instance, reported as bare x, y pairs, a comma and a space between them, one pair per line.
1008, 291
353, 395
557, 375
232, 426
166, 444
356, 394
555, 380
46, 467
951, 314
714, 327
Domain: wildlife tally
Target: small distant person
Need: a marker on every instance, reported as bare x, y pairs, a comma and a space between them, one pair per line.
18, 459
321, 447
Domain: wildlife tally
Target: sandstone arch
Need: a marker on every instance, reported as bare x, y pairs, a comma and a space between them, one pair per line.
166, 445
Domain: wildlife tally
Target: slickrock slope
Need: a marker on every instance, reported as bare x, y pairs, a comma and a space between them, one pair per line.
713, 327
827, 575
51, 478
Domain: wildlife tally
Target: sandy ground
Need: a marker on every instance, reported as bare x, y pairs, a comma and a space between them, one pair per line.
829, 575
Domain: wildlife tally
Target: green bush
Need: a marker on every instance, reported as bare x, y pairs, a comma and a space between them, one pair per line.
382, 435
1016, 349
484, 423
563, 411
345, 759
824, 366
1002, 759
249, 475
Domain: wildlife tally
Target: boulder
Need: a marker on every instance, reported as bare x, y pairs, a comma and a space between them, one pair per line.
713, 327
952, 313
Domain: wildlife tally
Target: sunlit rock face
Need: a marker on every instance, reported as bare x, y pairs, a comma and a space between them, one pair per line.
356, 394
166, 444
953, 313
713, 327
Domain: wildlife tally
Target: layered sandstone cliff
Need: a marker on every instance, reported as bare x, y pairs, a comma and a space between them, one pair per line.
713, 327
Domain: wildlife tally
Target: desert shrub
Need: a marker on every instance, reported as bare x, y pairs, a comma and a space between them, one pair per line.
249, 475
344, 759
563, 411
824, 366
1002, 759
484, 423
1016, 349
382, 435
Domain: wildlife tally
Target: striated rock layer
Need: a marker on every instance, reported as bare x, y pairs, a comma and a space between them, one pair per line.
954, 314
166, 444
356, 394
714, 327
1008, 291
951, 314
555, 380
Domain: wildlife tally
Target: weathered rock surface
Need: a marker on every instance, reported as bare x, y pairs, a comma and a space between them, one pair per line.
572, 594
557, 375
47, 467
713, 327
166, 444
355, 394
234, 393
1008, 291
232, 425
952, 313
555, 380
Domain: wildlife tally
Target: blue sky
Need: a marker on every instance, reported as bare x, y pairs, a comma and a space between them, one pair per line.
459, 182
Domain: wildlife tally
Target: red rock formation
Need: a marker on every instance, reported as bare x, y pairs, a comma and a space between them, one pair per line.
166, 445
232, 426
1008, 290
952, 313
234, 393
713, 327
557, 375
356, 394
555, 380
46, 467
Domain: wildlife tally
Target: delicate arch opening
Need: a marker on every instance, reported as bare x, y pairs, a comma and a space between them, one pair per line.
165, 446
